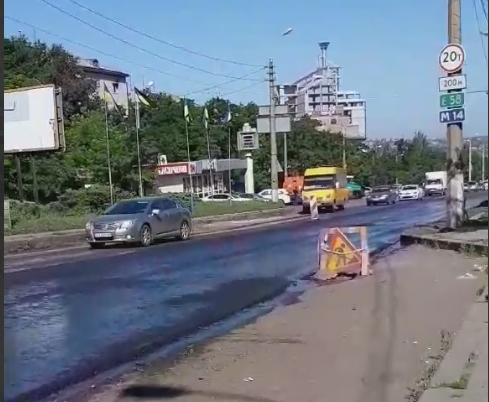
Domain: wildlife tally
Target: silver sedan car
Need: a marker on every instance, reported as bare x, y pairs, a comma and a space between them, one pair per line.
140, 220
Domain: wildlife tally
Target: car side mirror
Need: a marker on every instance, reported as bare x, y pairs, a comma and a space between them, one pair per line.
155, 212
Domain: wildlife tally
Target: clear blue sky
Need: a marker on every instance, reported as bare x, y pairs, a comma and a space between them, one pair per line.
388, 50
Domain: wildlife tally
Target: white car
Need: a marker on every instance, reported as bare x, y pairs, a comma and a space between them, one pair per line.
282, 195
224, 197
411, 192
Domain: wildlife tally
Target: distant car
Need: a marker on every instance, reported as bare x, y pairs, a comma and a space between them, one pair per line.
140, 220
382, 195
473, 186
282, 195
224, 197
252, 197
485, 186
411, 192
367, 190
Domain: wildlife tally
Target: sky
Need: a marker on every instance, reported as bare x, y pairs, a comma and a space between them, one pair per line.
388, 50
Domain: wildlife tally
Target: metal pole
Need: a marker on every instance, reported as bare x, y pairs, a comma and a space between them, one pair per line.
286, 162
273, 134
483, 167
107, 143
344, 151
188, 167
229, 161
211, 173
470, 160
138, 126
455, 193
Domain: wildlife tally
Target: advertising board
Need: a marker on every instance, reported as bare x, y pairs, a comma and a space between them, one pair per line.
33, 120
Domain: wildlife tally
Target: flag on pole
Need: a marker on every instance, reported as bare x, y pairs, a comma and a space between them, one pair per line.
109, 99
143, 98
227, 117
206, 118
186, 113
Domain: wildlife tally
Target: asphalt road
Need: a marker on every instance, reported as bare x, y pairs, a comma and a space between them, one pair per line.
70, 314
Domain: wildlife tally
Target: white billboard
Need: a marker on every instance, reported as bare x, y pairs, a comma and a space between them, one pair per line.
33, 120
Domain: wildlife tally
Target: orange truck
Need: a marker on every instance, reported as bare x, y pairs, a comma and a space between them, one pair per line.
293, 184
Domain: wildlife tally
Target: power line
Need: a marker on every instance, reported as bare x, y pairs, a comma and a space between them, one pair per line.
137, 46
203, 90
484, 10
161, 40
479, 29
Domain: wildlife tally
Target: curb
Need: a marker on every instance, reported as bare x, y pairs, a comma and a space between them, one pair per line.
64, 238
408, 239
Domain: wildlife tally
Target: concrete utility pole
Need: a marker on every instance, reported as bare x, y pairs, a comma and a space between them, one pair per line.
273, 134
455, 193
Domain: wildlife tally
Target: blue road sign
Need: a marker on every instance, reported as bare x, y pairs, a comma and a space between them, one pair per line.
452, 116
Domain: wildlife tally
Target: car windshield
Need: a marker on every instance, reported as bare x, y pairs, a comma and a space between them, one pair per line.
472, 183
381, 189
435, 181
410, 188
315, 182
127, 208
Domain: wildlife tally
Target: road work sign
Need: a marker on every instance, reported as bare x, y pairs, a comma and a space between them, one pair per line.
338, 256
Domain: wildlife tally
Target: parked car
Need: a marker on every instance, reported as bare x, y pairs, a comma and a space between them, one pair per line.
367, 190
411, 192
485, 186
473, 186
140, 220
224, 197
282, 195
382, 195
252, 197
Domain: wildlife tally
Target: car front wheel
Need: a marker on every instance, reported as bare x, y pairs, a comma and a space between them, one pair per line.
184, 231
146, 237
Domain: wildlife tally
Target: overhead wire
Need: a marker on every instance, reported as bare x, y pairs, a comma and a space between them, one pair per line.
196, 92
164, 42
479, 29
484, 9
139, 47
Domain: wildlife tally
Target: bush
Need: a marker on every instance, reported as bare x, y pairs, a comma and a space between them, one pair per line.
95, 199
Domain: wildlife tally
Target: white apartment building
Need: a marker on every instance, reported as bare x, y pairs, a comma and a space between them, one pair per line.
115, 81
318, 95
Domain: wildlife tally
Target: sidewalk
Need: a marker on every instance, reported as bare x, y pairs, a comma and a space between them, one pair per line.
463, 373
473, 236
367, 340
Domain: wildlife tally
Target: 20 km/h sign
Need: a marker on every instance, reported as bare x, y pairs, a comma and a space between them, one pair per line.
452, 58
455, 100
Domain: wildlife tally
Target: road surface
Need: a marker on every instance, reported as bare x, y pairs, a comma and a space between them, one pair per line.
70, 314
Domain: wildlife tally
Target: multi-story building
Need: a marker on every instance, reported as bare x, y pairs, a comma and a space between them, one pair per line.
114, 81
318, 95
355, 108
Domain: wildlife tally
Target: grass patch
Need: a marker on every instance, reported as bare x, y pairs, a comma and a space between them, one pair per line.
52, 222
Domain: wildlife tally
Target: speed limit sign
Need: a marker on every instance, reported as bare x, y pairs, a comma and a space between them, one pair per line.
452, 58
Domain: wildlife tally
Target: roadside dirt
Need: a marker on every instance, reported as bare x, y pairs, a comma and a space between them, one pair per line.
366, 340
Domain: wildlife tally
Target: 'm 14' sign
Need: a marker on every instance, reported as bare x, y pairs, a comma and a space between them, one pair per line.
452, 116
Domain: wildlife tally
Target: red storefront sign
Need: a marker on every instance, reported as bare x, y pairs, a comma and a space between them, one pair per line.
176, 169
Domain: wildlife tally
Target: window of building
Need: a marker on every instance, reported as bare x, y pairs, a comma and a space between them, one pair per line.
115, 87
